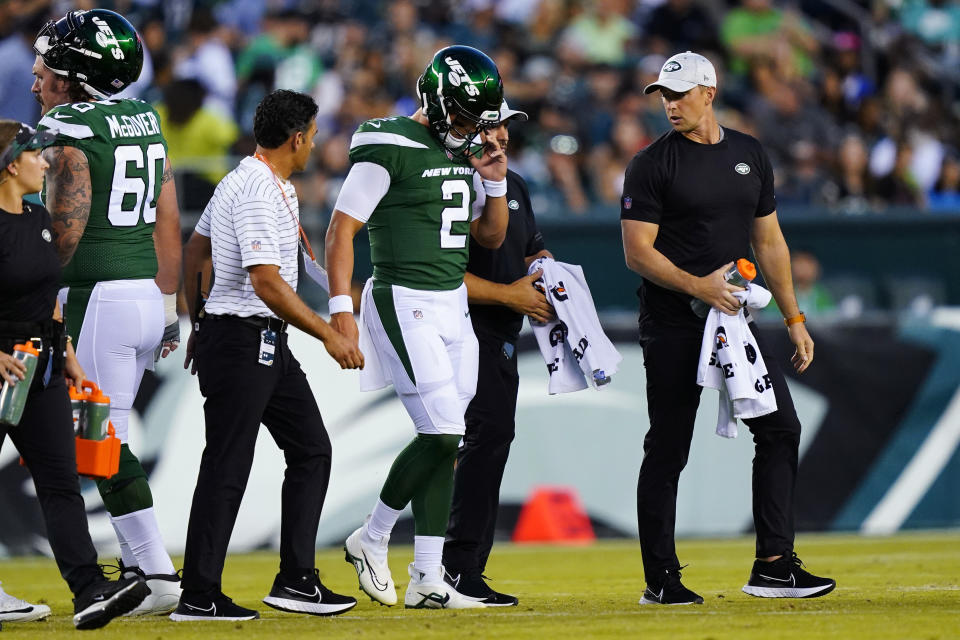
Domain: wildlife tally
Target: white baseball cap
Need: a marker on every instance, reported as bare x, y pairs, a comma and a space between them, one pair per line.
506, 113
683, 72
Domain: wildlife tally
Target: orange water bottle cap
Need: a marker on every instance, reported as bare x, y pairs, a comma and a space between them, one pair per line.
27, 348
94, 394
746, 269
76, 395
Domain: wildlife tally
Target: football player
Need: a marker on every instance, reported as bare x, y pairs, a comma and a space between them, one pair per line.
113, 205
421, 184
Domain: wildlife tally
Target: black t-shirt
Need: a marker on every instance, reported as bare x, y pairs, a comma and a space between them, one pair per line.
705, 198
506, 264
29, 266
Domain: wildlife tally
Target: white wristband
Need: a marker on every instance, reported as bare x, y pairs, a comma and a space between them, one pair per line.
169, 308
495, 188
341, 304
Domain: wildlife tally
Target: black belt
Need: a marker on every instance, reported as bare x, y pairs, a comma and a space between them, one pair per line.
260, 322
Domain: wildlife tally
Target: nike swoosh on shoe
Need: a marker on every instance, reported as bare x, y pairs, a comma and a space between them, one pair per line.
380, 586
315, 594
792, 581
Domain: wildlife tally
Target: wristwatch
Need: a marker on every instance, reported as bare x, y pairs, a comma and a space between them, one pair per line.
794, 319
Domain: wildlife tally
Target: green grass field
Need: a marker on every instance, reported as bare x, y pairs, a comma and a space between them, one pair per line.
907, 586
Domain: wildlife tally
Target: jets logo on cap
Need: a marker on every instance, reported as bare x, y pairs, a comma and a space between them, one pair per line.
673, 65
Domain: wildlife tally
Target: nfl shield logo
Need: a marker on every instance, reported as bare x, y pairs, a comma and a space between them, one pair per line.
417, 314
255, 245
627, 202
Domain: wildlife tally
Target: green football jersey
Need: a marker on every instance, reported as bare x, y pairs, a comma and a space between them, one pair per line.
126, 154
420, 230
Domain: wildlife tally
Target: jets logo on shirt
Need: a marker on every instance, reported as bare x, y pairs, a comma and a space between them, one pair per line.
45, 234
743, 168
513, 205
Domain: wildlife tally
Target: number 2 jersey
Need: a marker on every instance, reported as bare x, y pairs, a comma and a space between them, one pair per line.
126, 155
420, 229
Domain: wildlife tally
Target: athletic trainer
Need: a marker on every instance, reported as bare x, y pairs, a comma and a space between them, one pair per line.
248, 375
694, 201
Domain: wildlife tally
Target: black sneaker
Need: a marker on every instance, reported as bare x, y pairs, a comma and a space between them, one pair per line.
307, 595
786, 578
216, 606
472, 585
103, 600
670, 591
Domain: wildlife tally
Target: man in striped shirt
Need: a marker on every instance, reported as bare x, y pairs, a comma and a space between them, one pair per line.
249, 231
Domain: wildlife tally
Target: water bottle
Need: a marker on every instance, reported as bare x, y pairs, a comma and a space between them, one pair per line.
13, 397
95, 413
739, 274
77, 406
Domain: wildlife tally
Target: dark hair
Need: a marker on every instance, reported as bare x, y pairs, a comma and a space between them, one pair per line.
281, 114
75, 92
183, 98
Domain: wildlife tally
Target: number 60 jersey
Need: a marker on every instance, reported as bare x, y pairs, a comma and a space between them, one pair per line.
126, 154
420, 229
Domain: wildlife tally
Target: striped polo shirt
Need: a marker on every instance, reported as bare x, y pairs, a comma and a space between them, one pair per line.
249, 222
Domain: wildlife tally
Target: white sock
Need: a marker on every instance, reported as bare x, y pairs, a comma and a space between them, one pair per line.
381, 521
126, 556
428, 554
142, 534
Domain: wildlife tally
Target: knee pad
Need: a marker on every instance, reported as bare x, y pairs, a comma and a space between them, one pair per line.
435, 409
127, 490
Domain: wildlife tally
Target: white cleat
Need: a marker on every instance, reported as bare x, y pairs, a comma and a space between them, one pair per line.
16, 610
164, 596
375, 579
431, 592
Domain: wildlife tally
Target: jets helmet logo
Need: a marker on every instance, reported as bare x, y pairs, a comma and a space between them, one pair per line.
458, 75
106, 39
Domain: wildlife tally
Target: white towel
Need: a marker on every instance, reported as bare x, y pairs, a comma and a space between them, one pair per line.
574, 346
731, 362
374, 374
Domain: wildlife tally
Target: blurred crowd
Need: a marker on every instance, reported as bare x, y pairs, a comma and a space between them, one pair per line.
859, 109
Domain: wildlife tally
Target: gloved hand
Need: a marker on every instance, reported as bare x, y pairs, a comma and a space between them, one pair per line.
171, 333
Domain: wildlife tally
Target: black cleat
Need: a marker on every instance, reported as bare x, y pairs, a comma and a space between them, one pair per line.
307, 595
670, 591
200, 606
471, 584
786, 578
102, 601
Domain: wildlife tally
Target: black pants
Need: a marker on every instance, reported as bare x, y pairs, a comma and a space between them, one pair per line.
240, 394
45, 439
482, 459
673, 395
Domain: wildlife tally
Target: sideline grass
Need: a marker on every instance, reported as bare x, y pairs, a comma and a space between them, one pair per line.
907, 586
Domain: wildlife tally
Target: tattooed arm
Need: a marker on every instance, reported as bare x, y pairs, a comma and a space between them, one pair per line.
166, 235
68, 197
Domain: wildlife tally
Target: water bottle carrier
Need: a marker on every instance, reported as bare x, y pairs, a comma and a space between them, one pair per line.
99, 458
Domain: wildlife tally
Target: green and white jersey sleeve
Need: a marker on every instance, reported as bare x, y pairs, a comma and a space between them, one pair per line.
126, 154
419, 229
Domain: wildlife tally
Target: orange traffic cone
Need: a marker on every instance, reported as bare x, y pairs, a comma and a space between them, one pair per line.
554, 514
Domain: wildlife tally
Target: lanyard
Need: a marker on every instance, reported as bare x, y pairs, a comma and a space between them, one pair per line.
303, 236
